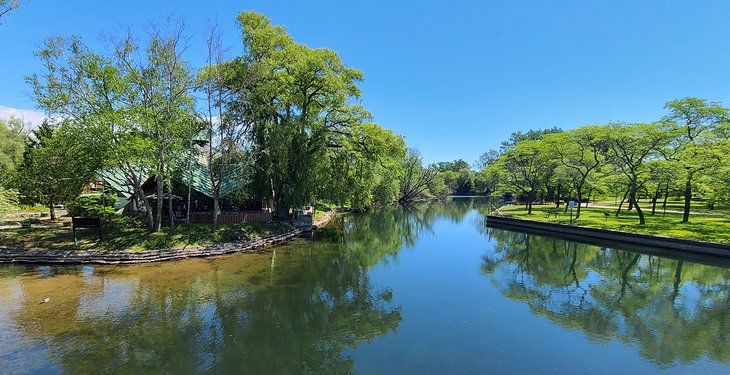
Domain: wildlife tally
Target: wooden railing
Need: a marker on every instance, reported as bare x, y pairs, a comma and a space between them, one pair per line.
230, 217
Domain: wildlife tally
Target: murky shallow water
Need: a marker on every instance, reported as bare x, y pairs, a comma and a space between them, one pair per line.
421, 290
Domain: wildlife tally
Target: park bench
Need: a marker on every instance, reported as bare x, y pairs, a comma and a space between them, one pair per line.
553, 212
86, 222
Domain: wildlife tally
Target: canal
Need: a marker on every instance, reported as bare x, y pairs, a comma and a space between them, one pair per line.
399, 290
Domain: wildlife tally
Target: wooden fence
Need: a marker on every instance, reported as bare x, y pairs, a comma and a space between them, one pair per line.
230, 217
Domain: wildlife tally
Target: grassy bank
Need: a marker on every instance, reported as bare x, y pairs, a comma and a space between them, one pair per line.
701, 227
53, 237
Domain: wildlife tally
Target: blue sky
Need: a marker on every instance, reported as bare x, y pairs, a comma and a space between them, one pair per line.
454, 77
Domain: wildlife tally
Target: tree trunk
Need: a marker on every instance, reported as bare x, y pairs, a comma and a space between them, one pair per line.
666, 195
529, 203
170, 211
214, 225
53, 211
142, 199
160, 201
590, 192
654, 199
622, 202
638, 209
687, 198
557, 196
579, 192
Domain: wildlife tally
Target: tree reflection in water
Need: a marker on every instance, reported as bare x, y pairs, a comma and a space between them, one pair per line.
295, 310
673, 311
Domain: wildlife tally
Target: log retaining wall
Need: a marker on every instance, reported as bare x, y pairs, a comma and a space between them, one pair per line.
52, 256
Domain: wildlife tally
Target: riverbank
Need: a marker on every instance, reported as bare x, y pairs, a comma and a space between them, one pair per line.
100, 256
701, 227
680, 249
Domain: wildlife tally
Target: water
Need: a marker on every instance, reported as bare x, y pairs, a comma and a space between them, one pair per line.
420, 290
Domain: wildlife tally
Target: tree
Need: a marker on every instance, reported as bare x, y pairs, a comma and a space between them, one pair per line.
6, 6
163, 85
228, 129
95, 94
12, 143
528, 163
453, 166
487, 159
56, 165
417, 179
530, 135
137, 105
694, 148
303, 103
580, 152
630, 146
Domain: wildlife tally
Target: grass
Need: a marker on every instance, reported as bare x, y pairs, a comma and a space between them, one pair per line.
54, 237
698, 206
321, 212
701, 227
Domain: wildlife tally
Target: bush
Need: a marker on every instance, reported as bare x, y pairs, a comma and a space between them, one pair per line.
95, 206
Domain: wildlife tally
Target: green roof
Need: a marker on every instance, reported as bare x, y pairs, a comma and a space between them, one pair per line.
198, 176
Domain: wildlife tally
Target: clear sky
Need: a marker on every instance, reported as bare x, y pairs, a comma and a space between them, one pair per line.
454, 77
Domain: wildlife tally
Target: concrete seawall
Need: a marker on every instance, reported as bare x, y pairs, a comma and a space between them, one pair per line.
673, 247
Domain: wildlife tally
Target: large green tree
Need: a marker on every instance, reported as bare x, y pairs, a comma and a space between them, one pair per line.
580, 154
528, 164
56, 165
630, 147
135, 102
695, 146
303, 103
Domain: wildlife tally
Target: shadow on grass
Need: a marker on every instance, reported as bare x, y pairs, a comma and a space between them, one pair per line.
711, 228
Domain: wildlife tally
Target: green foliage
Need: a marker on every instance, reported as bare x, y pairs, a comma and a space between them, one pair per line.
56, 165
101, 206
8, 201
12, 144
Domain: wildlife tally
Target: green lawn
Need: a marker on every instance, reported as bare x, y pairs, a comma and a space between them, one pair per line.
711, 228
138, 238
697, 206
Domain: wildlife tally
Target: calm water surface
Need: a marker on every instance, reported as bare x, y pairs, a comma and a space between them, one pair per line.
421, 290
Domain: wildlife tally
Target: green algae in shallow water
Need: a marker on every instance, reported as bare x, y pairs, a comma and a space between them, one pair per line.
398, 290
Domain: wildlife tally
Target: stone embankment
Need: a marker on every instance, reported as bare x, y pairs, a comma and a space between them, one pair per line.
52, 256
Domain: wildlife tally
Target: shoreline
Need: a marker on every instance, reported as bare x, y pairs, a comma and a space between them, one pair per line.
668, 246
51, 256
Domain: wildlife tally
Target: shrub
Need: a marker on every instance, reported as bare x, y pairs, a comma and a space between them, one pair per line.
95, 206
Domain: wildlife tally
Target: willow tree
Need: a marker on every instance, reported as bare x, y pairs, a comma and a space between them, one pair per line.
302, 101
417, 178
